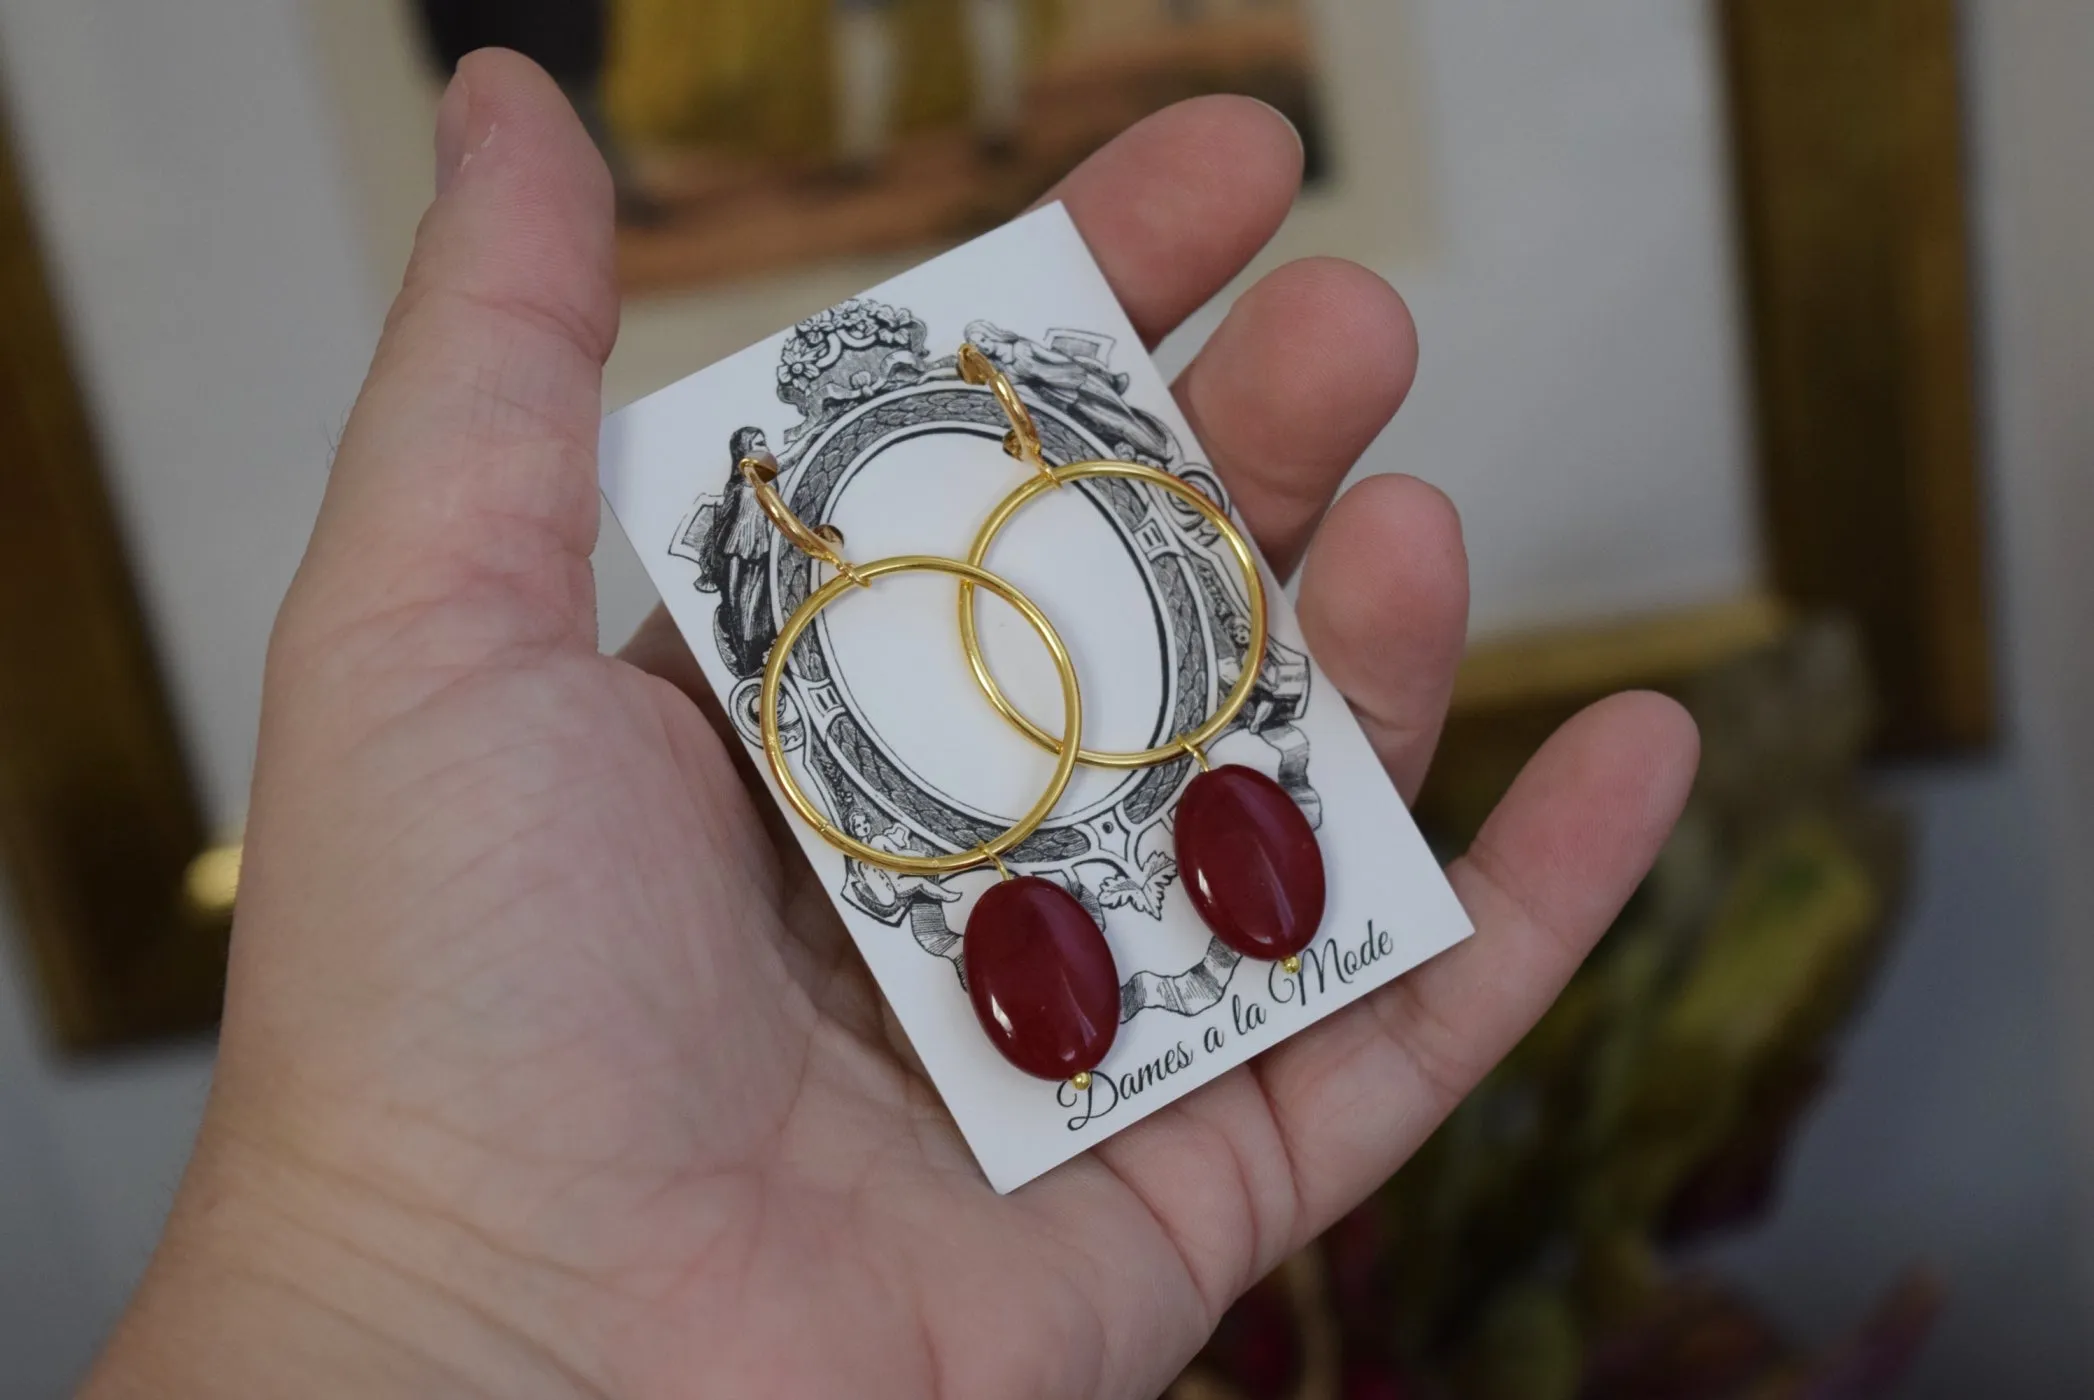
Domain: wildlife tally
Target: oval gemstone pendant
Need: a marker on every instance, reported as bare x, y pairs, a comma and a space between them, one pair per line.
1250, 862
1041, 978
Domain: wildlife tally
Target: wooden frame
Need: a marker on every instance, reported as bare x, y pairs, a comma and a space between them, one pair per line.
1847, 128
1850, 193
97, 811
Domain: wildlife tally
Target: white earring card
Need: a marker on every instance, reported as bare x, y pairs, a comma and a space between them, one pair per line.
883, 725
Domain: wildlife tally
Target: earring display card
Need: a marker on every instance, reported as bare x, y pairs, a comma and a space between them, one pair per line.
877, 435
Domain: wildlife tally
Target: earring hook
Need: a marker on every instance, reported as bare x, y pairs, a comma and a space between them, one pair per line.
824, 542
1023, 440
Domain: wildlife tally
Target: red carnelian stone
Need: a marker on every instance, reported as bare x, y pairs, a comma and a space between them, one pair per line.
1041, 978
1250, 862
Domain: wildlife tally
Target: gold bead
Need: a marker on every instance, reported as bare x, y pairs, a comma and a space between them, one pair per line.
1292, 966
1080, 1081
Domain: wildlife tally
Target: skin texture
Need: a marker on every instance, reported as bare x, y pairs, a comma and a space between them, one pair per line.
547, 1069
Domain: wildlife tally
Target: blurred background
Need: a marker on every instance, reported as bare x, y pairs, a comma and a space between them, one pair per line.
1756, 342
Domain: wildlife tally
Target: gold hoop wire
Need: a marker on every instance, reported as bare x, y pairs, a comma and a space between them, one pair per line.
971, 576
1193, 741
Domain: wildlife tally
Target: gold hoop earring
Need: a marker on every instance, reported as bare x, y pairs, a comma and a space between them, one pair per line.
1249, 858
1039, 972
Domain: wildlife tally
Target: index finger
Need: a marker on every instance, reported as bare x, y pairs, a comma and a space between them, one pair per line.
1175, 206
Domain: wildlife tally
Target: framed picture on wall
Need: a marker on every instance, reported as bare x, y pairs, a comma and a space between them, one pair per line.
749, 136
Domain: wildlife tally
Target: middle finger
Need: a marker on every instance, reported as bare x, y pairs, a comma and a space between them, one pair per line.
1307, 369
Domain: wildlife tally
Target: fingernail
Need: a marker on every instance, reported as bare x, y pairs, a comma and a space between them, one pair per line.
1299, 140
453, 131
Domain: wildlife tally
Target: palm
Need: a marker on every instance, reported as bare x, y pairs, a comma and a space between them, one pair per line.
698, 1062
699, 1055
535, 1000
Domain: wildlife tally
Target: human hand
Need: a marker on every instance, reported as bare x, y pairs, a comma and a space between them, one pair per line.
547, 1068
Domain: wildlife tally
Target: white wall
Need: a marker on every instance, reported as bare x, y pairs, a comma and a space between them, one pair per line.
1958, 1132
1579, 397
221, 319
2033, 112
1579, 390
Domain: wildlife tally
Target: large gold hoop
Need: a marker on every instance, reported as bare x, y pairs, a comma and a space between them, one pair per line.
1192, 742
970, 576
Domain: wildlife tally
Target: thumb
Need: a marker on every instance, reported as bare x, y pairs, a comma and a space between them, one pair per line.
461, 510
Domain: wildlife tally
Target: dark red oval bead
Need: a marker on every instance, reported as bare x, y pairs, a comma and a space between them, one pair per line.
1041, 978
1250, 861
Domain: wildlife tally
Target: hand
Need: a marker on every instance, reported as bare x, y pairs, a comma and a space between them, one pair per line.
547, 1069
